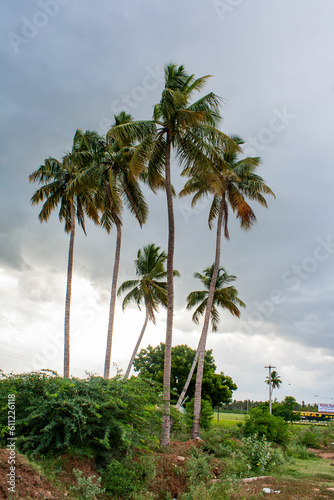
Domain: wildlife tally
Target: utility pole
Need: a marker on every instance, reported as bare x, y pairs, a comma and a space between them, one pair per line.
270, 385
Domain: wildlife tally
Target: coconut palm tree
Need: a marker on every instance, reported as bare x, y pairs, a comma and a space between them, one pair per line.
61, 187
229, 181
224, 296
273, 380
181, 127
115, 188
148, 289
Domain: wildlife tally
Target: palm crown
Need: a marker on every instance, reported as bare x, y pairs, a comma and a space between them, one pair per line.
224, 296
230, 181
150, 288
62, 185
274, 379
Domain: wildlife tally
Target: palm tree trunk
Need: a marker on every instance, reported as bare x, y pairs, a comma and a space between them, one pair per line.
165, 427
202, 342
270, 396
190, 376
127, 373
68, 296
113, 297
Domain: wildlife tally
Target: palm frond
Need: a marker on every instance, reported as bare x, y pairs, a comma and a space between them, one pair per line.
130, 132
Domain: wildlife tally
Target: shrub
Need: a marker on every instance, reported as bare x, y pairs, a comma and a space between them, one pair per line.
124, 478
198, 469
236, 467
119, 479
298, 451
286, 408
94, 415
310, 438
260, 454
261, 423
219, 444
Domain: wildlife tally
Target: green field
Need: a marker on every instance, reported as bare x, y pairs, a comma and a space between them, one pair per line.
227, 419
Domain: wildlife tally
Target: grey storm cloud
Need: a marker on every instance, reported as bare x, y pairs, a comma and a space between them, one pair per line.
10, 253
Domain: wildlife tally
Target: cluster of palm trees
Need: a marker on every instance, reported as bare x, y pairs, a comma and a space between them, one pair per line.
100, 177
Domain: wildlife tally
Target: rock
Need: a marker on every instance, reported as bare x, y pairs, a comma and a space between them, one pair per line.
215, 470
251, 479
181, 459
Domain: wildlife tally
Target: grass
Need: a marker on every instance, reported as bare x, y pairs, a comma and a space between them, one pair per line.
314, 470
313, 467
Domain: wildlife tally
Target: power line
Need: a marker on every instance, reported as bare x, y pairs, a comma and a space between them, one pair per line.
27, 358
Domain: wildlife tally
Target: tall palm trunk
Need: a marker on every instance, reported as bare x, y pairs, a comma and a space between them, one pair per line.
113, 297
68, 296
140, 338
202, 342
190, 376
165, 428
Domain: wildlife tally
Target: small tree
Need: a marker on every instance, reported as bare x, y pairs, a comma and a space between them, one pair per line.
149, 288
260, 422
287, 409
217, 387
224, 296
273, 381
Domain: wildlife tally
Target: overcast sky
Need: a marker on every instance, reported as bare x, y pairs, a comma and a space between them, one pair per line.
69, 64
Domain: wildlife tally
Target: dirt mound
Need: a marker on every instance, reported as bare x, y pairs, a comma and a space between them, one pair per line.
29, 482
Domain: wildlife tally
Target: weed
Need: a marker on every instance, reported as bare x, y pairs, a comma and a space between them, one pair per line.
218, 491
88, 487
198, 469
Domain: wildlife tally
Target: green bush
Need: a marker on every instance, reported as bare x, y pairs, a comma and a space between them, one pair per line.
261, 423
128, 477
310, 438
206, 414
93, 415
235, 467
286, 409
298, 451
260, 453
120, 480
198, 469
219, 444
